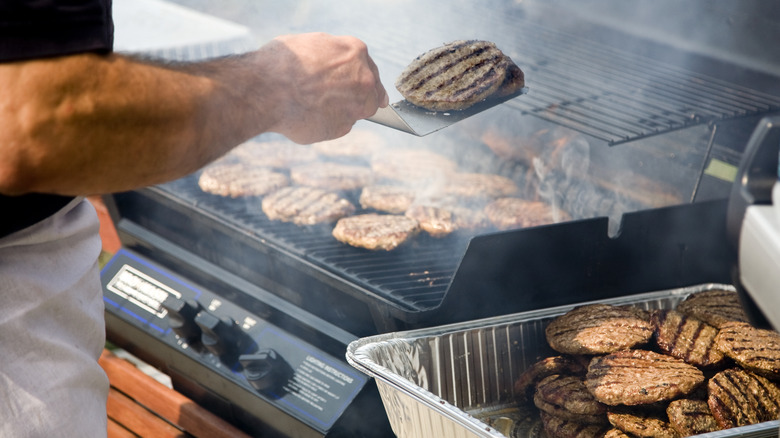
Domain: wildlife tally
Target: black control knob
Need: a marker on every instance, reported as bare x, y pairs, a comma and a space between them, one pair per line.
181, 317
266, 371
220, 336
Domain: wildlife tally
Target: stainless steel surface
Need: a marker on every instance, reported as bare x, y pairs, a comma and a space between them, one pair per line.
412, 119
440, 381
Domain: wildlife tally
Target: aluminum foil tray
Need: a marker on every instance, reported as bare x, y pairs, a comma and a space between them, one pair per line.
457, 380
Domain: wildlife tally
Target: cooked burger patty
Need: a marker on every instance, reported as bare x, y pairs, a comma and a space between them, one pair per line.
636, 377
275, 154
332, 176
411, 166
387, 198
691, 417
556, 427
240, 179
565, 365
686, 338
715, 307
641, 424
359, 143
479, 185
739, 398
510, 213
375, 231
567, 397
306, 206
458, 75
754, 349
436, 221
599, 329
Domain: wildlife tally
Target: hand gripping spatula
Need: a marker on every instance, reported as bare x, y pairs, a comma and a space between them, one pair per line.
412, 119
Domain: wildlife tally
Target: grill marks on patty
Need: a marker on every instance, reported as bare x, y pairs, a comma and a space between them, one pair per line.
640, 377
739, 398
306, 206
686, 338
754, 349
599, 329
691, 417
459, 74
567, 397
715, 307
375, 231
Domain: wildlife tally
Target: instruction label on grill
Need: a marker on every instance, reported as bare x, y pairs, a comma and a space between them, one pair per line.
141, 289
321, 387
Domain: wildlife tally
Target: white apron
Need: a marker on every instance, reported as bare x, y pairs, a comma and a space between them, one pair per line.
52, 328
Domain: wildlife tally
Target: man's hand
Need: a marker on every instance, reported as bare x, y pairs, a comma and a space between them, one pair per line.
322, 85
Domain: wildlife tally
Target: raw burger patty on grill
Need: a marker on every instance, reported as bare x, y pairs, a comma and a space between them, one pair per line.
457, 75
375, 231
715, 307
599, 329
240, 179
567, 397
306, 206
332, 176
739, 398
691, 417
686, 338
510, 213
639, 377
754, 349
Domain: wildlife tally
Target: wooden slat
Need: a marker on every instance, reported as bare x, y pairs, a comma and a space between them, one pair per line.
168, 404
116, 430
136, 418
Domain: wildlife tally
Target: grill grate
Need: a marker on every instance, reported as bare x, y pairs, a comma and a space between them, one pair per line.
617, 96
606, 92
415, 276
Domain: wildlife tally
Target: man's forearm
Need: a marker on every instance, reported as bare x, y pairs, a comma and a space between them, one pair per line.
89, 124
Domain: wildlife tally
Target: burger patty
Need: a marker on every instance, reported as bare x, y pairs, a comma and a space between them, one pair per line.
556, 427
436, 221
375, 231
511, 213
274, 154
567, 397
566, 365
458, 75
637, 377
641, 424
478, 185
332, 176
754, 349
387, 198
306, 206
739, 398
715, 307
359, 143
691, 417
411, 166
239, 179
599, 329
686, 338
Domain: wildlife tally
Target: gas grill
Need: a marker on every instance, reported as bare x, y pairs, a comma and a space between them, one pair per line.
251, 317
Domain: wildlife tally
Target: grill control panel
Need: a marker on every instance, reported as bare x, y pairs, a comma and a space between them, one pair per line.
229, 359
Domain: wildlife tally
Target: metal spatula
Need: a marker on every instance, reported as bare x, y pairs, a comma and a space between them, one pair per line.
412, 119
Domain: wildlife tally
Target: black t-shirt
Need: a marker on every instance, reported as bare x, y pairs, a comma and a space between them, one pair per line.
45, 28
